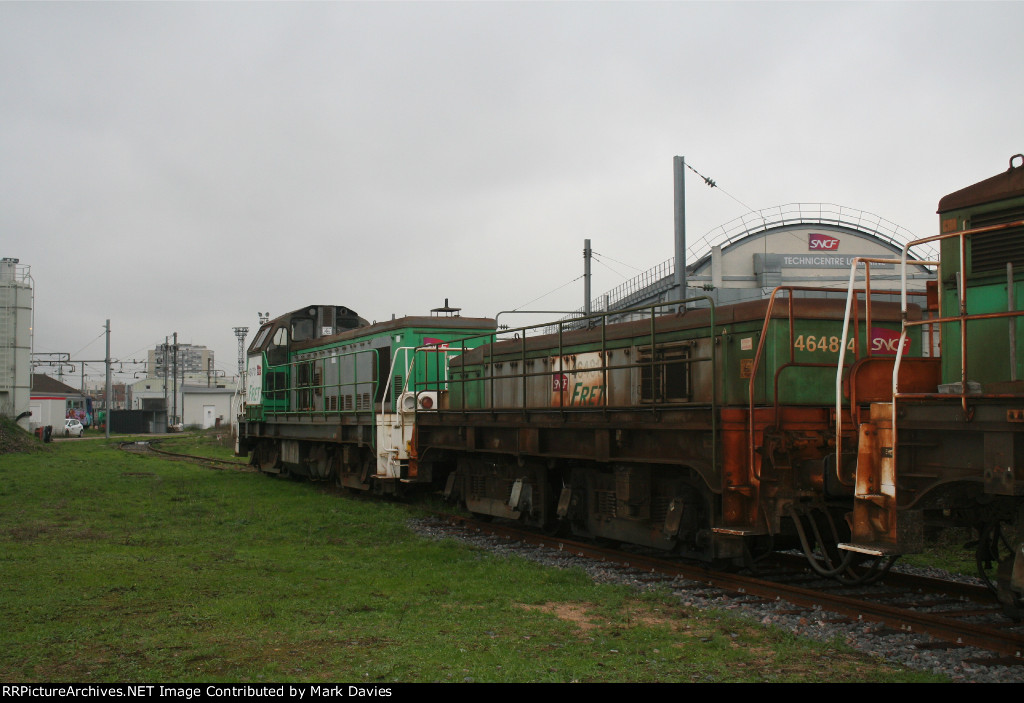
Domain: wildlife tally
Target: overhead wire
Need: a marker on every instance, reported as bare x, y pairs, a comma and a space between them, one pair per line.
621, 263
550, 292
90, 343
711, 184
621, 275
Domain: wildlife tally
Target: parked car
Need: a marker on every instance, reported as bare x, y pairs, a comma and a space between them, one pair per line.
73, 428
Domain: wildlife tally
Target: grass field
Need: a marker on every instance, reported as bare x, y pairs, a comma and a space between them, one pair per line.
119, 567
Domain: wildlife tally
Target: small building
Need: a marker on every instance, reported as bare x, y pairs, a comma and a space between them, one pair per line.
148, 394
197, 404
51, 402
206, 406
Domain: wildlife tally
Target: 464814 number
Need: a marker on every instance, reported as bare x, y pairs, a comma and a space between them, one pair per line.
825, 344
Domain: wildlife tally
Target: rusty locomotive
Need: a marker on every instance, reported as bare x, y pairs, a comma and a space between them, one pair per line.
723, 433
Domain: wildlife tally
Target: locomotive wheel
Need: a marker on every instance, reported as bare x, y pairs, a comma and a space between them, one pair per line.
994, 558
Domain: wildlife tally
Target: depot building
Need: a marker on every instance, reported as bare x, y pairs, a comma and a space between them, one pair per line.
796, 245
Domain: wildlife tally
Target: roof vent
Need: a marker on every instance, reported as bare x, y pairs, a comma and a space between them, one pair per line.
446, 310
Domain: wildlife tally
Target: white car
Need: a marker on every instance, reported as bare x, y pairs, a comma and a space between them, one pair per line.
73, 428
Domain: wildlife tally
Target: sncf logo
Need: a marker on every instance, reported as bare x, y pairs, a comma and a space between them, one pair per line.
822, 242
434, 344
885, 341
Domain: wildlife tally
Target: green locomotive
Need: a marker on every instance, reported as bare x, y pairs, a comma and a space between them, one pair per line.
327, 393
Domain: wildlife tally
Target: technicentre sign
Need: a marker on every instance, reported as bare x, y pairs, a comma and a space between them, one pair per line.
776, 262
825, 260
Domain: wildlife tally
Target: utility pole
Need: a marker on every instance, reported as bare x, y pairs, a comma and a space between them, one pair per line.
164, 361
678, 167
106, 394
175, 380
586, 276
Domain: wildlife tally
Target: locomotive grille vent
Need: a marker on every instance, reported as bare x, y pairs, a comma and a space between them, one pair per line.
477, 485
347, 402
604, 502
396, 392
659, 508
991, 252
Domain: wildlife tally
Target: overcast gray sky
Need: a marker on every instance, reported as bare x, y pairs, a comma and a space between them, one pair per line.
177, 167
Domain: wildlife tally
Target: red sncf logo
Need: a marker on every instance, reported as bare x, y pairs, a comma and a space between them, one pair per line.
819, 242
885, 341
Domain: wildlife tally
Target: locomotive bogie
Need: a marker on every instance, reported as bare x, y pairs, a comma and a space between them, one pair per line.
661, 507
499, 486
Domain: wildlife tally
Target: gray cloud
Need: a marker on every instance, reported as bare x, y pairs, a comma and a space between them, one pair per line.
179, 166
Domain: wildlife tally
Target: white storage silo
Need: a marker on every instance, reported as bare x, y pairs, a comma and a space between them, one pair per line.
15, 339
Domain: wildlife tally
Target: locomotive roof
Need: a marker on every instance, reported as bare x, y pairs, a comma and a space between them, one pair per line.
751, 311
400, 323
1008, 184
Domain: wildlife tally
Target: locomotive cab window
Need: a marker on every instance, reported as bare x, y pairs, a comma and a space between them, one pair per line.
277, 352
664, 373
302, 329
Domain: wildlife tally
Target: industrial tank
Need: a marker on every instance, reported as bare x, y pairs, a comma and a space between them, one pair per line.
15, 339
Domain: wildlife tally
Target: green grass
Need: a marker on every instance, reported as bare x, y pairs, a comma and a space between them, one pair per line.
948, 550
119, 567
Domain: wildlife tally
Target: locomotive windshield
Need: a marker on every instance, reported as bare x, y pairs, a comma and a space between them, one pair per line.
261, 337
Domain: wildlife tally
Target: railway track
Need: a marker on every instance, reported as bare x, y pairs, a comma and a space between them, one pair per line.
149, 447
937, 614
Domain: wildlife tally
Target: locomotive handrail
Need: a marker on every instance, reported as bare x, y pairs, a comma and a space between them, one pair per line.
756, 361
490, 357
963, 318
441, 371
294, 387
851, 298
